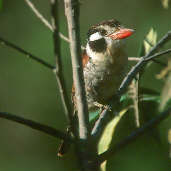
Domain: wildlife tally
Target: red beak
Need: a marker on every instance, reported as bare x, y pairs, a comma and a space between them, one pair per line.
121, 34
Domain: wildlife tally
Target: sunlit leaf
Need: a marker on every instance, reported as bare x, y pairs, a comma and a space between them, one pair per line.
93, 115
124, 97
165, 3
150, 40
106, 138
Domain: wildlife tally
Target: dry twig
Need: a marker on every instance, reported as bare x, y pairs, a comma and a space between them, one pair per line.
132, 73
43, 20
35, 125
59, 71
27, 54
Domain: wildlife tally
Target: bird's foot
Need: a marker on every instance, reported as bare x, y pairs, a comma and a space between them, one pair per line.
101, 106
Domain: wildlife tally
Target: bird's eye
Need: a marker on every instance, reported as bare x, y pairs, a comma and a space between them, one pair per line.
103, 32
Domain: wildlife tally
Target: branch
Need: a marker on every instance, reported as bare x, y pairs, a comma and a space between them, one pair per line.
86, 152
100, 124
133, 59
132, 73
133, 136
72, 14
59, 70
28, 54
35, 125
160, 43
45, 22
157, 54
136, 59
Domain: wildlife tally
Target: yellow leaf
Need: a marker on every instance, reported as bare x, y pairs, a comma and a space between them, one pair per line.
150, 40
106, 138
165, 3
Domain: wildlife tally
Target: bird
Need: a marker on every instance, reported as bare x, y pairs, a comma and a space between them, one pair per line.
104, 62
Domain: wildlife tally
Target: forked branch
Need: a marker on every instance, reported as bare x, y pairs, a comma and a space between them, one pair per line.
43, 19
58, 59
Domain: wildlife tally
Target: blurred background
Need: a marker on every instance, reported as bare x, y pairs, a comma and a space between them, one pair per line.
29, 89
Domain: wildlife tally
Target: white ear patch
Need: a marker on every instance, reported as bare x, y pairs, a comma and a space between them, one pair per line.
95, 36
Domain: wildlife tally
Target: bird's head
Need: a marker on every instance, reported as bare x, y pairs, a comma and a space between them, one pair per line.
106, 35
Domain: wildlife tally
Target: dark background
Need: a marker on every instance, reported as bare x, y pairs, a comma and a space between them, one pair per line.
29, 89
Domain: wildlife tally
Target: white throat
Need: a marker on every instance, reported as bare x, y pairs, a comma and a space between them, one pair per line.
95, 36
112, 47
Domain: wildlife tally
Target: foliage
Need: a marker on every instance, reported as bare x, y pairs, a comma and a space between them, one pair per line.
165, 3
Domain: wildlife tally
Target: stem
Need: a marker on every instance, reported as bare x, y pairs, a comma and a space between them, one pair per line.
72, 14
59, 71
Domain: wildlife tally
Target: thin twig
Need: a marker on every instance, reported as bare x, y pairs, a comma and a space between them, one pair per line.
134, 59
160, 43
132, 73
35, 125
158, 54
104, 117
45, 21
27, 54
133, 136
59, 69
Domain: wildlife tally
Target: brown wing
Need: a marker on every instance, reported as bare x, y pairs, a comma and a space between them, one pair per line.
85, 59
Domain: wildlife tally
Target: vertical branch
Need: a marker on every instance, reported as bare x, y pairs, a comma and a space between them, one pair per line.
72, 14
43, 20
86, 154
58, 71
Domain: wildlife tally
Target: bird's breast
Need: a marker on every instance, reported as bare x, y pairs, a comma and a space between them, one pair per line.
102, 78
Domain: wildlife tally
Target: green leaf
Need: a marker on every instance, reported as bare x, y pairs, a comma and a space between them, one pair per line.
147, 97
124, 97
106, 138
93, 115
165, 3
